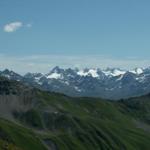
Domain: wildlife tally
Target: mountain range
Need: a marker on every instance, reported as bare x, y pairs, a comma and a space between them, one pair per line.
32, 119
111, 83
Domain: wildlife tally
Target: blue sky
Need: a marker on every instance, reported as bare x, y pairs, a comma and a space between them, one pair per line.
117, 32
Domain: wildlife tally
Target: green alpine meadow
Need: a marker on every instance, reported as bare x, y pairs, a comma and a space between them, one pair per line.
43, 120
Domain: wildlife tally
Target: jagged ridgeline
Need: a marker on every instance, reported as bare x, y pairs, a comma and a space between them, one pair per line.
32, 119
110, 83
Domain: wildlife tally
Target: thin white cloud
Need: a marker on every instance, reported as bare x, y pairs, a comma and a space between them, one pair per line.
13, 26
43, 63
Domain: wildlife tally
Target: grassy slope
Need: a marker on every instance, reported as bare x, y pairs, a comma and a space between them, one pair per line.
66, 123
18, 137
94, 124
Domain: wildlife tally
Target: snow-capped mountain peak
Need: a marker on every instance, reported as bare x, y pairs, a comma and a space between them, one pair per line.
137, 71
88, 72
93, 73
82, 73
55, 73
113, 72
110, 83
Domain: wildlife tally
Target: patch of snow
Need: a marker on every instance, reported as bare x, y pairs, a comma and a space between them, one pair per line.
141, 79
121, 76
54, 76
92, 72
107, 73
137, 71
133, 71
109, 89
115, 72
77, 89
66, 82
37, 78
70, 75
82, 73
7, 76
